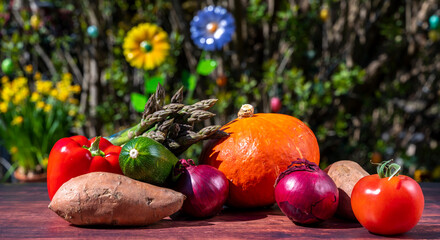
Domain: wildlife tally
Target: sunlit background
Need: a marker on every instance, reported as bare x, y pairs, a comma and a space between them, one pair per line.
364, 75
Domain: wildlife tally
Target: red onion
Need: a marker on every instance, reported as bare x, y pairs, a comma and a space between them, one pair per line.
205, 188
305, 193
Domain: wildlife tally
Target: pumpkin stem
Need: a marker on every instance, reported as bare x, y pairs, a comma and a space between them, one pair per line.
246, 111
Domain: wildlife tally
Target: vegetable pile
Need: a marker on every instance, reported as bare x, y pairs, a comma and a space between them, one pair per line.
134, 177
149, 155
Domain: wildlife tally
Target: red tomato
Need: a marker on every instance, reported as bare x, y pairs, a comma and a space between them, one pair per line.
387, 207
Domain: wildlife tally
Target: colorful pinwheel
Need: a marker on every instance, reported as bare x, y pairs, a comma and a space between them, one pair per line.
212, 28
146, 46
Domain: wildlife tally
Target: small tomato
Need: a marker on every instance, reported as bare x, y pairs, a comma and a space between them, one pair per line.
387, 205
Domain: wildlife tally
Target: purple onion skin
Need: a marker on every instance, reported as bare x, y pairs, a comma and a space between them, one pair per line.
206, 189
306, 194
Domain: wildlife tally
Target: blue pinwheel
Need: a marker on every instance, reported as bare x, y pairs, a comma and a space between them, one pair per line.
212, 28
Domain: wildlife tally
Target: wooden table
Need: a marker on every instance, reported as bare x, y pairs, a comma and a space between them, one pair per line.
24, 214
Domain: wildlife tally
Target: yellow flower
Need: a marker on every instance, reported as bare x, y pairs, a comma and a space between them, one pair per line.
7, 93
35, 97
43, 87
37, 76
73, 101
40, 104
67, 76
146, 46
3, 107
35, 21
13, 150
48, 107
324, 14
76, 89
54, 93
64, 89
18, 83
28, 69
63, 96
20, 96
72, 112
420, 175
5, 79
17, 120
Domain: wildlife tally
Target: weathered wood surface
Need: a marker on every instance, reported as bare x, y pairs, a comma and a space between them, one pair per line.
24, 214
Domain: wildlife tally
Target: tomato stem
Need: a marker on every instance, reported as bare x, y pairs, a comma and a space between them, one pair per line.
388, 169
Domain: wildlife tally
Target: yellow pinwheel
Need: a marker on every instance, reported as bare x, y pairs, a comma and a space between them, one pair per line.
146, 46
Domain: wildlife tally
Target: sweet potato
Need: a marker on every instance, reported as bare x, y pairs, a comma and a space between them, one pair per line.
100, 198
345, 174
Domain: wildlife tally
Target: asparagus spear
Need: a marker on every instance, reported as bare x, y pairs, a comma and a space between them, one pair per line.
171, 124
202, 105
185, 141
178, 96
160, 134
145, 124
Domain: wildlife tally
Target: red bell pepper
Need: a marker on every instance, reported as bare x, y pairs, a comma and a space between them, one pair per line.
74, 156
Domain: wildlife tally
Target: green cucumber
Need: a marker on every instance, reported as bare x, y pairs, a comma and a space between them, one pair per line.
146, 160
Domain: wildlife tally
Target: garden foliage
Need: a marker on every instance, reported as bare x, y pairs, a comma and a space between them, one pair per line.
364, 75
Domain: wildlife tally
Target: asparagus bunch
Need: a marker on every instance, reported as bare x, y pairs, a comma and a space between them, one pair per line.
173, 124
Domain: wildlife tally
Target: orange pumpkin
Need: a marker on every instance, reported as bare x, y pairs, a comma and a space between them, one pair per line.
258, 149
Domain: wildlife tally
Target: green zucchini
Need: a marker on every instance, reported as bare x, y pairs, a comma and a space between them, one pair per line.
146, 160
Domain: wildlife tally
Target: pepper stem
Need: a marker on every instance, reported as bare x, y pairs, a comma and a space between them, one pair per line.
94, 148
388, 169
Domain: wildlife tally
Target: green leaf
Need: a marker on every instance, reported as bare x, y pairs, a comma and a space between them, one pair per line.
151, 83
189, 80
138, 101
206, 66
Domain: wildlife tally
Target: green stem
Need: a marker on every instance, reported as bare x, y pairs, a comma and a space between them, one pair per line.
388, 169
94, 148
126, 135
123, 136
